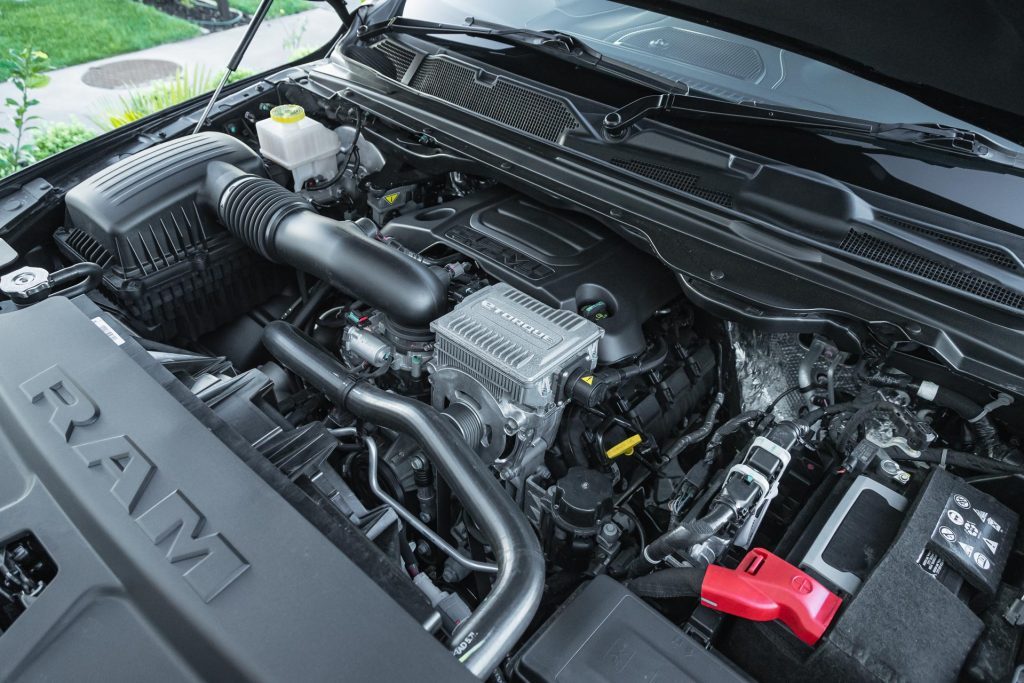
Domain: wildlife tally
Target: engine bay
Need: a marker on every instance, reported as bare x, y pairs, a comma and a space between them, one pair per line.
548, 455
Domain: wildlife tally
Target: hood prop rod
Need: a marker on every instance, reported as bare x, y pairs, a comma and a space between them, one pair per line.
236, 59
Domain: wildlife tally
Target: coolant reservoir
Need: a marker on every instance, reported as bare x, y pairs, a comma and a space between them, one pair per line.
306, 147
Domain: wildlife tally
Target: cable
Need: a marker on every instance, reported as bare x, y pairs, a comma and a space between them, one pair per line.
343, 166
687, 440
639, 527
784, 394
985, 478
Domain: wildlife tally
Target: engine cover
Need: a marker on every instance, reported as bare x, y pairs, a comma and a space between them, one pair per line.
565, 260
175, 559
498, 364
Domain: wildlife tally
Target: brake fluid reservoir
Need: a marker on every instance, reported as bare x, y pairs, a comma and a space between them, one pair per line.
303, 145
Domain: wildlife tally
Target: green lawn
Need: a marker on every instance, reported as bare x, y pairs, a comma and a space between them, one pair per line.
277, 9
76, 31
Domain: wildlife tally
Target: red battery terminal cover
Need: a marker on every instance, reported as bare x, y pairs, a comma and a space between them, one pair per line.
765, 587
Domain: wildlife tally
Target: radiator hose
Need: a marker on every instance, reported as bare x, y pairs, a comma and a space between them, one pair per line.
492, 631
280, 226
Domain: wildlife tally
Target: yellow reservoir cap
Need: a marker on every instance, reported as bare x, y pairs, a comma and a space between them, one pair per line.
624, 447
287, 113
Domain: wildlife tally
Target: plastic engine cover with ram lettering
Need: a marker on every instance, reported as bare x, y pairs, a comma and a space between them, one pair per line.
513, 342
176, 561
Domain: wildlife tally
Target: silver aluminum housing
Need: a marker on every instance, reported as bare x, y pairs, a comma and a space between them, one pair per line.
501, 355
514, 344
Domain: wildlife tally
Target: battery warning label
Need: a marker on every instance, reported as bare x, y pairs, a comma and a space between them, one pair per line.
971, 536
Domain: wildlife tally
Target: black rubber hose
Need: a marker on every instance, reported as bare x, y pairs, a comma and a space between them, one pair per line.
811, 418
982, 427
496, 625
681, 539
967, 461
280, 226
725, 506
690, 438
85, 276
728, 427
682, 582
305, 314
655, 358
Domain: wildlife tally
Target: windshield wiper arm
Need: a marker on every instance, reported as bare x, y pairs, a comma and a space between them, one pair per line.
951, 139
936, 136
616, 122
679, 100
553, 40
560, 44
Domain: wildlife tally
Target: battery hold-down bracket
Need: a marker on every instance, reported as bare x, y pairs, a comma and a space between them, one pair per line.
764, 587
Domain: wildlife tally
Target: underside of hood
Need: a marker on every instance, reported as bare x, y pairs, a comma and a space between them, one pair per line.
966, 59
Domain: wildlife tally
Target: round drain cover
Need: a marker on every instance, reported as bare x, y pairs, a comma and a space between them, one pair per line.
129, 72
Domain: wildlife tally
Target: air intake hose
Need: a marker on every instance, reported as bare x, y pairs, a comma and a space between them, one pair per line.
280, 226
483, 639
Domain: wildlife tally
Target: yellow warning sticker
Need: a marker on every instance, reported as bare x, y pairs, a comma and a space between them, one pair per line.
390, 198
589, 379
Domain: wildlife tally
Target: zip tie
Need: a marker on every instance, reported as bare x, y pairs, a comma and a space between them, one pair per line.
1000, 401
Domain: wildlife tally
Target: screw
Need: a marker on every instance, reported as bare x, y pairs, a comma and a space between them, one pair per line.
717, 275
913, 328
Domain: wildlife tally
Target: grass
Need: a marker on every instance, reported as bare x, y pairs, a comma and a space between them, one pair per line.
187, 83
279, 8
77, 31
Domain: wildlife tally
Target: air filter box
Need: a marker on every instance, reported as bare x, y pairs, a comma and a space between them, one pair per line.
167, 262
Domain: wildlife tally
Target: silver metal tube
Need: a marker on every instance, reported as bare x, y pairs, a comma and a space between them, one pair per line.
414, 521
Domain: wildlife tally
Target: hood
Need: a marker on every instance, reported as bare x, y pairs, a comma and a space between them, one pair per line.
965, 59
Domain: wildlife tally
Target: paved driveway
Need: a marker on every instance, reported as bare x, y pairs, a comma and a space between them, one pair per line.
67, 97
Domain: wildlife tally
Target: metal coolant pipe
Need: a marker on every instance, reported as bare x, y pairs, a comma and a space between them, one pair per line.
498, 622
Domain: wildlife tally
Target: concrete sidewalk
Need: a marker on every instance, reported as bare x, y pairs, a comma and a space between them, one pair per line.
67, 98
